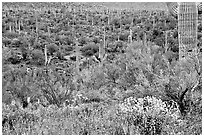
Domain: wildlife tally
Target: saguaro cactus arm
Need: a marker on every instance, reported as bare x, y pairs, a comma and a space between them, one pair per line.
173, 8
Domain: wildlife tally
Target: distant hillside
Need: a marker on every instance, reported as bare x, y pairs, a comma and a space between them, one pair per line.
133, 5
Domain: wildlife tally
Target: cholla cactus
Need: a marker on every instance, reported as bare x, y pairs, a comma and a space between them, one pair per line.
187, 28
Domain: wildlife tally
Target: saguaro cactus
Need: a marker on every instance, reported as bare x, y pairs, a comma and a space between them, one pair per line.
145, 39
36, 21
10, 28
130, 37
119, 13
77, 57
102, 49
16, 23
74, 19
48, 29
109, 17
45, 52
87, 16
187, 28
19, 26
77, 75
92, 22
154, 24
166, 40
187, 13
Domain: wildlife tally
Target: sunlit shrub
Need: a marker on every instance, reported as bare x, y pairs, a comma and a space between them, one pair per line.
38, 57
153, 113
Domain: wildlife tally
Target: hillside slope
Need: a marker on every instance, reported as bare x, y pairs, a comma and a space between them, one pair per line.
133, 5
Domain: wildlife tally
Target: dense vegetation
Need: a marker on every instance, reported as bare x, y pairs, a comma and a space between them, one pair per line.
135, 85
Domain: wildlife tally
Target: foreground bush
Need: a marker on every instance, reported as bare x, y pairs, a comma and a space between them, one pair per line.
143, 116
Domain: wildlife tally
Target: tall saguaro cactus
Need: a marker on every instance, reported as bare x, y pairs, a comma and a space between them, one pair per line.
77, 65
166, 40
130, 37
145, 39
77, 57
45, 52
16, 23
187, 28
19, 26
36, 22
10, 27
187, 13
102, 49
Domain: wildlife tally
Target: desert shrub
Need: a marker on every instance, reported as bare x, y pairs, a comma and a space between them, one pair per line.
130, 77
111, 47
65, 40
112, 72
115, 22
126, 21
6, 54
37, 57
83, 41
96, 39
148, 115
52, 48
93, 78
6, 41
184, 79
18, 84
11, 35
117, 46
67, 49
159, 64
173, 44
16, 42
55, 86
15, 57
18, 120
124, 36
89, 49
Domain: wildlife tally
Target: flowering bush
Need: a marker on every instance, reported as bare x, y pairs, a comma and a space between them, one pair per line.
151, 111
147, 105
